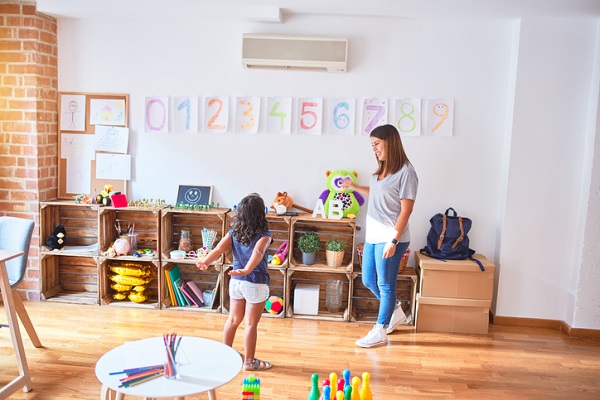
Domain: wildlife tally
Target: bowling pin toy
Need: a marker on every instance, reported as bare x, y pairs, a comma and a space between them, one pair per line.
355, 391
365, 391
339, 395
333, 382
341, 384
327, 393
348, 392
346, 375
315, 393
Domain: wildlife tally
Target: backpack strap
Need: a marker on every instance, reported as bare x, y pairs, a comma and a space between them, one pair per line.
443, 233
462, 232
470, 257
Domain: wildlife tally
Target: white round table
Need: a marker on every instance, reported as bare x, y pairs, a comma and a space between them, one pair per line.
204, 366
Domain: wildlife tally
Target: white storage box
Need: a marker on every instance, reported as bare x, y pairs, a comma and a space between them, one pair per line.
306, 299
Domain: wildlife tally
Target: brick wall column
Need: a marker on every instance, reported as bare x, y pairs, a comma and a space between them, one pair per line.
28, 120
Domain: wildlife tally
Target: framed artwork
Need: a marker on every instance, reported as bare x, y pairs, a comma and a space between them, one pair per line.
196, 195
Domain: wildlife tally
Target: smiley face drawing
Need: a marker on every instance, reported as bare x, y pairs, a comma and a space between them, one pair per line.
193, 196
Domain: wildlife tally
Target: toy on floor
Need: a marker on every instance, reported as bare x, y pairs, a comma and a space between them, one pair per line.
251, 388
274, 305
351, 200
341, 389
283, 203
56, 241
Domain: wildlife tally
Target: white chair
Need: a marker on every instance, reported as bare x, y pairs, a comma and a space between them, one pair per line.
15, 235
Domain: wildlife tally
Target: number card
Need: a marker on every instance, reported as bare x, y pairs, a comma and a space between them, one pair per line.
342, 116
310, 116
279, 115
185, 114
407, 116
216, 112
157, 114
440, 117
374, 113
247, 114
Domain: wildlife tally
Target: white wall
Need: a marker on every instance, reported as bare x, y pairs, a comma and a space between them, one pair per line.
515, 188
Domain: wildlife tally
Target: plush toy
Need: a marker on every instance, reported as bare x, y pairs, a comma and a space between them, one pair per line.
282, 251
283, 203
56, 241
351, 200
274, 305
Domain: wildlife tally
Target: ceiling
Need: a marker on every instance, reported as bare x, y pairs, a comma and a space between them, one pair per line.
280, 11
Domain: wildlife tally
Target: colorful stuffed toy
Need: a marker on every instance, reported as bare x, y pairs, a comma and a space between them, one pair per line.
351, 200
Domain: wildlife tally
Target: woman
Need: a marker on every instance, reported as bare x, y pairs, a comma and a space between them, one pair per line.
248, 239
392, 191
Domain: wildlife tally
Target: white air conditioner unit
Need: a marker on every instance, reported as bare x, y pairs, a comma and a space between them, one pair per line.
294, 52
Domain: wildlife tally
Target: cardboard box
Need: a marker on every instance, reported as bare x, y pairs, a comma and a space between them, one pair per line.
461, 279
436, 314
306, 299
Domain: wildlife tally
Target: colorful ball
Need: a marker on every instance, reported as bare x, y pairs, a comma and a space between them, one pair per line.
274, 305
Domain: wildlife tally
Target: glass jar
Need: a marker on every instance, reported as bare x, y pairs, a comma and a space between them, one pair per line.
185, 241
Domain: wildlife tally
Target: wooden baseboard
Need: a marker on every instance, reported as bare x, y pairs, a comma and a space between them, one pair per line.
578, 333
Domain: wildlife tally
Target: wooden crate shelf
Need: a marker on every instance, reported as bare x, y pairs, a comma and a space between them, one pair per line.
173, 221
365, 306
144, 221
277, 287
343, 229
80, 222
296, 276
210, 279
152, 290
69, 278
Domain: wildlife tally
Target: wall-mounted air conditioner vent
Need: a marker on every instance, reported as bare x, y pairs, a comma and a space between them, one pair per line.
295, 52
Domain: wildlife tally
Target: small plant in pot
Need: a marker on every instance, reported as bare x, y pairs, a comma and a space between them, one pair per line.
309, 243
334, 252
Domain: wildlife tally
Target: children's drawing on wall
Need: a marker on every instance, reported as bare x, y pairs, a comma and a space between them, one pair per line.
374, 113
107, 112
279, 115
111, 138
72, 112
310, 116
216, 113
78, 150
407, 116
185, 114
247, 114
156, 114
342, 116
113, 166
440, 117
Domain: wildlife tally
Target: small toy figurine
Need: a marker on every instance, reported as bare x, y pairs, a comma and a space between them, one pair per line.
56, 241
104, 196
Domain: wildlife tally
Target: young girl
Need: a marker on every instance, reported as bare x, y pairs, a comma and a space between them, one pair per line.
392, 189
248, 239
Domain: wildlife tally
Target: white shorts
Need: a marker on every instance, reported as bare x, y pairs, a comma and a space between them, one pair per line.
251, 292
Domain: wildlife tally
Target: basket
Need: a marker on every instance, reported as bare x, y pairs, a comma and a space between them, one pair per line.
404, 261
334, 258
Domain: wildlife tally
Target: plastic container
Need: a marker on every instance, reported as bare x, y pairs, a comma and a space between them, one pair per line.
333, 295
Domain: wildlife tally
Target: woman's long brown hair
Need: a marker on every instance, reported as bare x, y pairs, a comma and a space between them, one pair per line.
395, 157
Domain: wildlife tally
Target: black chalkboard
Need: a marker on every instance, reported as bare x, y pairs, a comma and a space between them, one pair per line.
196, 195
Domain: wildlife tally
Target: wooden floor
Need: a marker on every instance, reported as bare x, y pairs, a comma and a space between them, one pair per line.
509, 362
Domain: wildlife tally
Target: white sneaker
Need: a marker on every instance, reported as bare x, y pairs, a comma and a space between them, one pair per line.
376, 337
398, 318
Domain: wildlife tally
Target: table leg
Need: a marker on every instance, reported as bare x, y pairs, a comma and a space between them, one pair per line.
24, 379
107, 393
212, 395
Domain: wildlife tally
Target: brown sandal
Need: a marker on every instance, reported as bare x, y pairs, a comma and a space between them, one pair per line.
257, 365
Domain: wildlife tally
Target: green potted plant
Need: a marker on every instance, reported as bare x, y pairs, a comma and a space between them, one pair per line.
309, 243
334, 252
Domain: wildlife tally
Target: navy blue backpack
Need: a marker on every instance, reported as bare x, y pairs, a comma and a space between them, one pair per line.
447, 238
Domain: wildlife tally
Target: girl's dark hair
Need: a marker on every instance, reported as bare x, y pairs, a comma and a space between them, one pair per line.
395, 157
250, 219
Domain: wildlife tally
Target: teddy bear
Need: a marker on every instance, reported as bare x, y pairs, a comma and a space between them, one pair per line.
56, 241
351, 200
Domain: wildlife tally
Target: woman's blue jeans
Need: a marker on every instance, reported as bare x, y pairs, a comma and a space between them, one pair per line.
380, 274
